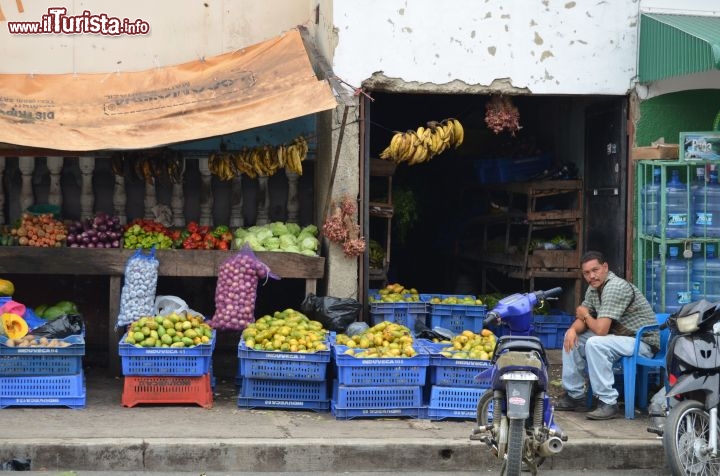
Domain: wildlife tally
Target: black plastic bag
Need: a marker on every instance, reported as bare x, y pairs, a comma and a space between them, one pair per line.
422, 331
60, 328
335, 314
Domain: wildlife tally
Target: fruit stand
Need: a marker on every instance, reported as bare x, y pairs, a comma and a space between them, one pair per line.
178, 263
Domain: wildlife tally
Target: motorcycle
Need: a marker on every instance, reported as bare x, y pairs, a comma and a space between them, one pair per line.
515, 417
691, 430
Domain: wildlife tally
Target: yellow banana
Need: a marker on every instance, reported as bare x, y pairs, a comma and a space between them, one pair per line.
393, 148
280, 153
459, 132
298, 161
419, 155
449, 131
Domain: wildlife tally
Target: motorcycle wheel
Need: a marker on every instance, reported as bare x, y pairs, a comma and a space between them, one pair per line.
685, 435
516, 435
484, 416
485, 408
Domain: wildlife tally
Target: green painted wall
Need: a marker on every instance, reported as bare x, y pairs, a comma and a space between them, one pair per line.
667, 115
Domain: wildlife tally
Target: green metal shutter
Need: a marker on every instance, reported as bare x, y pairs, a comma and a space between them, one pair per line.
677, 45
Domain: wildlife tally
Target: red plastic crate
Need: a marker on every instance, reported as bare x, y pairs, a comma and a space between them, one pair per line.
163, 389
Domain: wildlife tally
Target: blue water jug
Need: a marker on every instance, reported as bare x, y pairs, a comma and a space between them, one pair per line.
676, 207
706, 207
706, 275
651, 204
652, 282
678, 287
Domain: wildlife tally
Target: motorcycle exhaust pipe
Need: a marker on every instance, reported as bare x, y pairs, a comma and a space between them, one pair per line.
550, 447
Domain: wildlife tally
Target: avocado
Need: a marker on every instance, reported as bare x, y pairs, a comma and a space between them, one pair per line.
53, 313
68, 306
40, 310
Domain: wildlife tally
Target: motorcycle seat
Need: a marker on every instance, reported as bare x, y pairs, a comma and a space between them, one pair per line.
520, 344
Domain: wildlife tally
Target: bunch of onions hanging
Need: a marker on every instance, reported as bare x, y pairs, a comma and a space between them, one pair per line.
340, 228
502, 115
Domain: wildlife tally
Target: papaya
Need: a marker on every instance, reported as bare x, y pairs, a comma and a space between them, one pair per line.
7, 288
14, 325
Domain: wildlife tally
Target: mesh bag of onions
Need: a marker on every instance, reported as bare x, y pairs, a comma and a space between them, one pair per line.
236, 289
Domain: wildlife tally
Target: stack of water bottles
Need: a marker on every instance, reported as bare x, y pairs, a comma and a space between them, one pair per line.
689, 213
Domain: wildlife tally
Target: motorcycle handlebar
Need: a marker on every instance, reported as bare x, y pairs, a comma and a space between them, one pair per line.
550, 293
492, 318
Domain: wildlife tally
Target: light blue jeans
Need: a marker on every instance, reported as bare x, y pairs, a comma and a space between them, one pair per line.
598, 354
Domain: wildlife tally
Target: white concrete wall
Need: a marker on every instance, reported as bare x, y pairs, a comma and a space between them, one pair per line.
547, 47
542, 47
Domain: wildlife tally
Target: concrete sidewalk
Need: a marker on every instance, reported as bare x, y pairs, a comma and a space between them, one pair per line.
105, 435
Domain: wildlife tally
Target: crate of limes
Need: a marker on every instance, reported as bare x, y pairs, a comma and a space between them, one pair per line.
455, 312
173, 345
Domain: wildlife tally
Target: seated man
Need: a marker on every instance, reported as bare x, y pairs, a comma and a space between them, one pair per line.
603, 332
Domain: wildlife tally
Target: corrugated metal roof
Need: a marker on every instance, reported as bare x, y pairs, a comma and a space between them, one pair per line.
676, 45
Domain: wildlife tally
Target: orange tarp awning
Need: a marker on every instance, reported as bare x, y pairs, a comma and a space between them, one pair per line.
262, 84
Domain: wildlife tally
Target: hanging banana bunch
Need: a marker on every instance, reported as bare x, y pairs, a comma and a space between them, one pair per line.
421, 145
295, 153
263, 160
221, 165
175, 165
149, 166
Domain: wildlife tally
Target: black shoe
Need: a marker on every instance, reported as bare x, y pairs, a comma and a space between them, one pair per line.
568, 404
603, 411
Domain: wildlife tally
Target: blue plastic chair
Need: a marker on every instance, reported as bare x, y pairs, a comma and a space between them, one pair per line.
637, 369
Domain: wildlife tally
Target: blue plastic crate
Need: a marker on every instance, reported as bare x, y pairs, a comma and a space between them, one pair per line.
457, 317
425, 297
27, 361
55, 390
321, 406
350, 413
454, 372
404, 313
283, 392
561, 319
520, 169
454, 402
282, 365
367, 397
166, 361
551, 329
487, 170
381, 371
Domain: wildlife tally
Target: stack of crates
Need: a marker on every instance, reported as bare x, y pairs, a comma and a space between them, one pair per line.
550, 329
454, 387
43, 375
378, 387
164, 375
288, 380
455, 317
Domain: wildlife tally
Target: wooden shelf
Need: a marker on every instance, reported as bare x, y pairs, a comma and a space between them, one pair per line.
379, 209
525, 216
111, 262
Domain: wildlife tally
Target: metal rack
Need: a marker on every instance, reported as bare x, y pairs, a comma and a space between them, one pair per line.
656, 246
